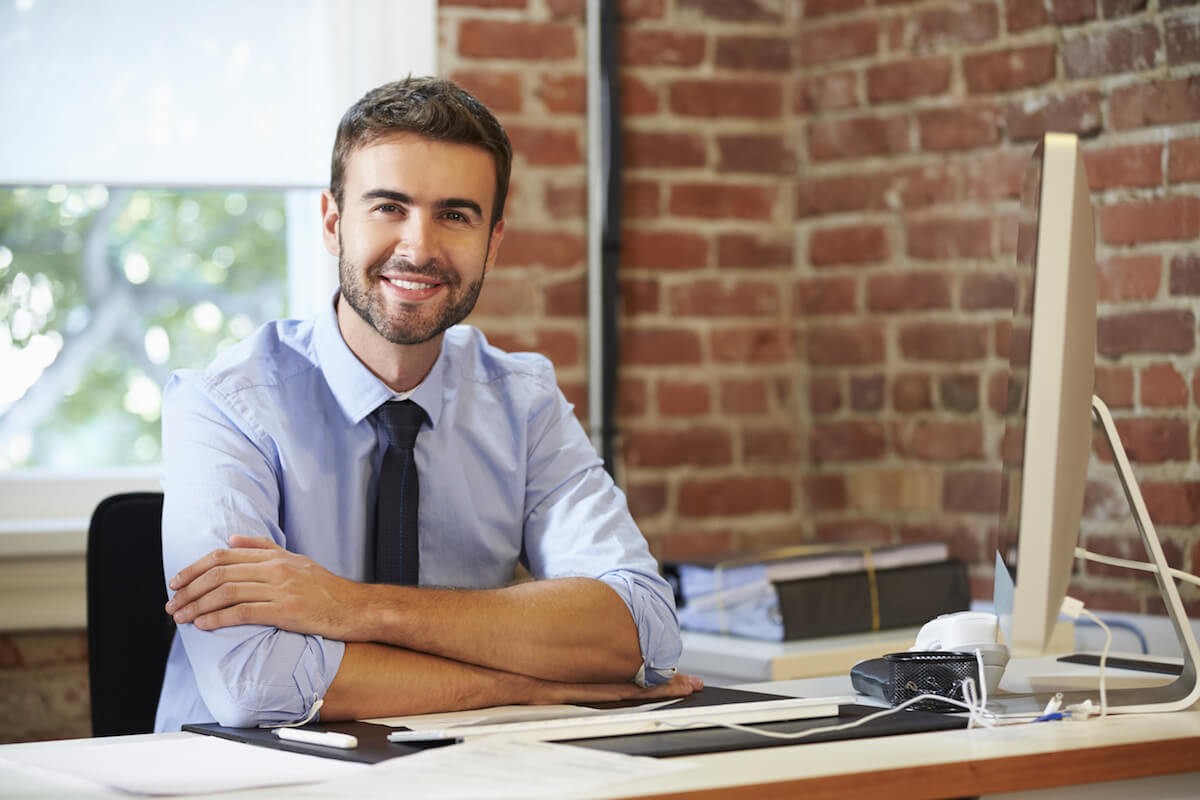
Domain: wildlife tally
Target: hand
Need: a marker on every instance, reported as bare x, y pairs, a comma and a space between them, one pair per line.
680, 685
256, 582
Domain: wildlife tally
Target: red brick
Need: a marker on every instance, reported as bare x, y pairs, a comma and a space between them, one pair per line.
499, 91
638, 98
746, 251
823, 44
909, 78
854, 440
732, 10
848, 244
866, 531
761, 53
673, 448
987, 291
749, 396
552, 249
955, 24
1165, 331
1138, 165
683, 398
659, 346
564, 299
649, 150
856, 137
825, 296
972, 491
1123, 278
773, 446
646, 498
908, 291
653, 48
1114, 385
637, 296
826, 92
505, 296
722, 201
997, 393
918, 187
1077, 113
1185, 275
639, 200
958, 128
757, 345
639, 9
943, 341
1164, 102
1158, 220
663, 250
631, 397
1115, 9
565, 201
998, 175
845, 345
934, 440
550, 147
1023, 16
1183, 39
824, 395
866, 393
1070, 12
1183, 161
912, 392
1111, 51
815, 9
1009, 70
541, 41
757, 153
1173, 503
734, 496
721, 298
564, 94
746, 98
949, 238
560, 346
1150, 440
959, 393
838, 193
1163, 387
826, 492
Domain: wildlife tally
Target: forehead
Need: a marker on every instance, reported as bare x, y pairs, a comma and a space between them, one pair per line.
412, 164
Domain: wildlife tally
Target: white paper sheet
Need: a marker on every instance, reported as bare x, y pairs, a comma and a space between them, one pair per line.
497, 714
193, 764
495, 768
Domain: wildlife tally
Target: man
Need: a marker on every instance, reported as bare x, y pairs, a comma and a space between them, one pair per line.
273, 454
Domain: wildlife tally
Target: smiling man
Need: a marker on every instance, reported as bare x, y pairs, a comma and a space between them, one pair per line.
274, 458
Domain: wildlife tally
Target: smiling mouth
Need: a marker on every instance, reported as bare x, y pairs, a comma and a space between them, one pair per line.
414, 286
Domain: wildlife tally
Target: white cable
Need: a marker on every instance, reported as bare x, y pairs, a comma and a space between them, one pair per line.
1113, 561
1103, 659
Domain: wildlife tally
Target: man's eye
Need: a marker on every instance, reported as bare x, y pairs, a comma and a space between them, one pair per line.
456, 216
388, 208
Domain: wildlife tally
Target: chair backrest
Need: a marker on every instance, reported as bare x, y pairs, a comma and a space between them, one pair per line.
129, 633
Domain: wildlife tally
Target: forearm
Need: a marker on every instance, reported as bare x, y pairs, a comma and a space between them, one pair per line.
568, 629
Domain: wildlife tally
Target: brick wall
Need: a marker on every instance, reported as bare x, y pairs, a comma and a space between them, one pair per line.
819, 227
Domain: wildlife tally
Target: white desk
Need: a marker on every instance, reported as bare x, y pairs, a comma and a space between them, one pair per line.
1121, 756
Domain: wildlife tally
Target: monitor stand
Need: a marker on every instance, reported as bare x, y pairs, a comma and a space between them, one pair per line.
1175, 695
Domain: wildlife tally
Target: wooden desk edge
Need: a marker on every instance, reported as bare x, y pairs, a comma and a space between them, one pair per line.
982, 776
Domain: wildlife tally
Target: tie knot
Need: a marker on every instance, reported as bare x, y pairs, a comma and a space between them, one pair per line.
401, 420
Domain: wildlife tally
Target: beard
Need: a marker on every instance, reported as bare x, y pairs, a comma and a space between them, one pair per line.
409, 325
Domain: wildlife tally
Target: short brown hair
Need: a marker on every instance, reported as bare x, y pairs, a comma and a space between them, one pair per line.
431, 107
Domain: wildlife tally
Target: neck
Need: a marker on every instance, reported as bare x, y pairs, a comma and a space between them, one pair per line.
401, 366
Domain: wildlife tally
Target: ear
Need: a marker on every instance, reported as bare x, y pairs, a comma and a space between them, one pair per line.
330, 220
493, 246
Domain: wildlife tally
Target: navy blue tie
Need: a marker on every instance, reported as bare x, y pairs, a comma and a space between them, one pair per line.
397, 549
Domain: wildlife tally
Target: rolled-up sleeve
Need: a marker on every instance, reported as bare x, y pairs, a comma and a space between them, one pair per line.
579, 524
220, 480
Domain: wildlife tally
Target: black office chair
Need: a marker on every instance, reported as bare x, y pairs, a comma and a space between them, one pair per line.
129, 633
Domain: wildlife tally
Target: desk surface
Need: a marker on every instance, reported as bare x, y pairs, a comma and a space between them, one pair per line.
963, 762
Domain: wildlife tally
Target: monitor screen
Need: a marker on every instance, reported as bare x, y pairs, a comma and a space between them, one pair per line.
1048, 430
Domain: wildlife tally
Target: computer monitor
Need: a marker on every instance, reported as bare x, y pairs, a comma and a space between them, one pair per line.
1049, 429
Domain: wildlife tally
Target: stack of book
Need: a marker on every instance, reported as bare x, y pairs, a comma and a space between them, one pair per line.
808, 592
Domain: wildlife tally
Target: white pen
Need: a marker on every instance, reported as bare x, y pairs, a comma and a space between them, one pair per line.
343, 741
421, 736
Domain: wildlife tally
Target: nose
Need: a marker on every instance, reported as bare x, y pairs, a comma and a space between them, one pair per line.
417, 240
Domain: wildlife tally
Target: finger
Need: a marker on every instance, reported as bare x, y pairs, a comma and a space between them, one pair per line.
241, 614
238, 570
213, 560
228, 592
255, 542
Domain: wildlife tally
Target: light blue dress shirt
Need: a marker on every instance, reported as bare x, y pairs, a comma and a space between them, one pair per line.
276, 439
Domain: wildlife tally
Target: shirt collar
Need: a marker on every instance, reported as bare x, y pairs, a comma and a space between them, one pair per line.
357, 390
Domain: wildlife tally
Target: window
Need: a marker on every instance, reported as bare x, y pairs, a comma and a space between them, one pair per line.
160, 166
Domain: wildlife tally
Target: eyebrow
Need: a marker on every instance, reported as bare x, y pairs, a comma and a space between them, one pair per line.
461, 203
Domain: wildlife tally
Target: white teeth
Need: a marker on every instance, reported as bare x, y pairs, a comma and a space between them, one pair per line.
413, 285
